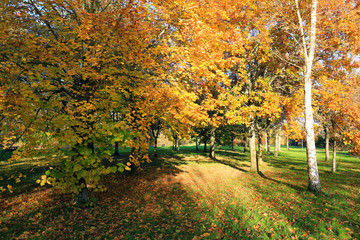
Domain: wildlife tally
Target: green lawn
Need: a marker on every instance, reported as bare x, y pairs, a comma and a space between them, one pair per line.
187, 195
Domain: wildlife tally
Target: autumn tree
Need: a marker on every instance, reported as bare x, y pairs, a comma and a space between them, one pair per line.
65, 66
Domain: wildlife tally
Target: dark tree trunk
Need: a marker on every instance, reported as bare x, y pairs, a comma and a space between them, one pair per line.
116, 149
204, 146
232, 142
260, 155
84, 192
155, 147
92, 147
197, 144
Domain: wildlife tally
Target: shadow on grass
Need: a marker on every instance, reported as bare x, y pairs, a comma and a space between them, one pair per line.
293, 186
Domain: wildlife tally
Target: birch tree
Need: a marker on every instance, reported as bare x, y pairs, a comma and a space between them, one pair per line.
308, 46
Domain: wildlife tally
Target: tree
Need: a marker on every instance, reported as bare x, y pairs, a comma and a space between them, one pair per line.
70, 63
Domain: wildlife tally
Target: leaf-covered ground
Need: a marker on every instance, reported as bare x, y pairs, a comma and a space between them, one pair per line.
189, 196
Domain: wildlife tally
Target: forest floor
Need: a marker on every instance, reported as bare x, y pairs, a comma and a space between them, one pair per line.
187, 195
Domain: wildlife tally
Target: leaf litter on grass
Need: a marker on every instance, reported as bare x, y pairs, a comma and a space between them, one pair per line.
189, 199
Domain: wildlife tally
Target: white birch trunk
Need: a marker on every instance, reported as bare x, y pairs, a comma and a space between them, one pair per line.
314, 179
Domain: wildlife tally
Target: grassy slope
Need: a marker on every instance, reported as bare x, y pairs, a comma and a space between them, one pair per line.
188, 196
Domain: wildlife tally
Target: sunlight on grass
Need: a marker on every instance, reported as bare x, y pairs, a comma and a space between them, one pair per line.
187, 195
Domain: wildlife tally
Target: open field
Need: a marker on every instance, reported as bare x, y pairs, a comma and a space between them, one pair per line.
187, 195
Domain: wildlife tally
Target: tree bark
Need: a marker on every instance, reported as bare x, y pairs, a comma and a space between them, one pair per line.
302, 144
155, 146
252, 146
268, 142
313, 174
327, 144
334, 158
116, 149
212, 143
276, 149
279, 139
260, 150
232, 142
287, 143
204, 146
197, 144
84, 192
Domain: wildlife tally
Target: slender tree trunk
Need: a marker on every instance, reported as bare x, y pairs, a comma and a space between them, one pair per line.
309, 51
276, 149
260, 150
279, 139
116, 149
334, 158
302, 144
287, 143
245, 143
268, 142
212, 143
232, 142
178, 145
327, 144
252, 146
155, 146
204, 146
197, 144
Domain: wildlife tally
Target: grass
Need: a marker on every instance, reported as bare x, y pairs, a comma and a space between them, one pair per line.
187, 195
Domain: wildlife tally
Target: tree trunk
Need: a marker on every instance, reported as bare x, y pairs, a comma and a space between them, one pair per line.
276, 149
302, 144
260, 150
197, 144
155, 146
116, 149
287, 143
84, 192
334, 158
212, 143
279, 136
245, 144
327, 144
314, 179
268, 142
92, 147
204, 146
232, 142
178, 145
252, 146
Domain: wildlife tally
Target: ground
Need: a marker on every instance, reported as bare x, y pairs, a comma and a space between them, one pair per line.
187, 195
